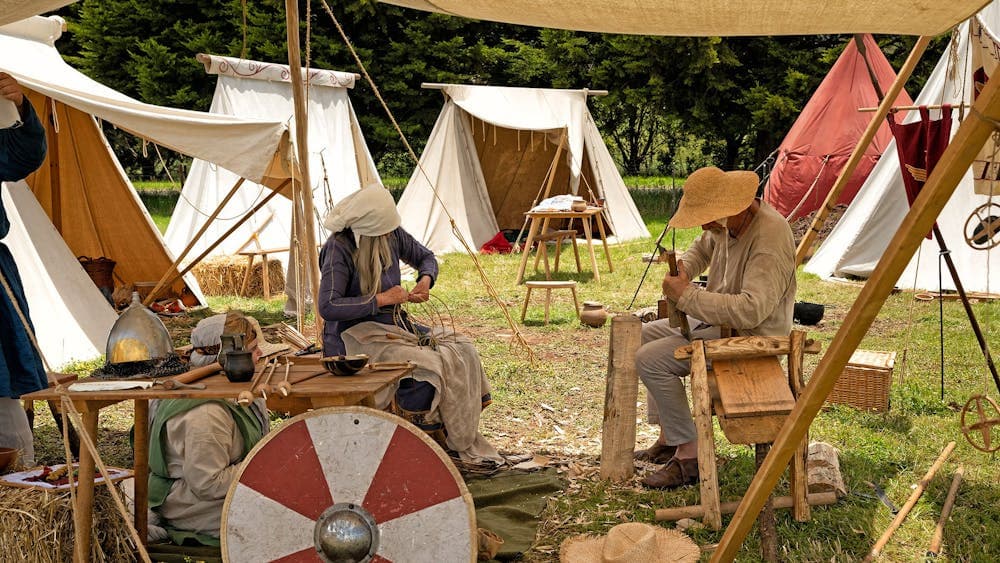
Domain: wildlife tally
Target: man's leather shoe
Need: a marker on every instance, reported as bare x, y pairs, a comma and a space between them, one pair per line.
657, 453
676, 473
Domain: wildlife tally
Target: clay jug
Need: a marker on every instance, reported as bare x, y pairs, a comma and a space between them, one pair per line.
239, 365
593, 314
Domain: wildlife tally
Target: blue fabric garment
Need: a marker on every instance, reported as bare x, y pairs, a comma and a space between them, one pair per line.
340, 301
22, 150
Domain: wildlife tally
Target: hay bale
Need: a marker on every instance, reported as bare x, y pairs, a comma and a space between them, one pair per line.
223, 275
37, 526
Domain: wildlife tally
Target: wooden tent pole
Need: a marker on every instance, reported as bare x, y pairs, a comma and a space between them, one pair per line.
194, 240
224, 236
952, 166
302, 148
805, 245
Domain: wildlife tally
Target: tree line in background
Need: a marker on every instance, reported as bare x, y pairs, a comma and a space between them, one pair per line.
675, 103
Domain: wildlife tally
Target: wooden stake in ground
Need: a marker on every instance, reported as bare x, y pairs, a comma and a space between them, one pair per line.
618, 437
949, 502
914, 497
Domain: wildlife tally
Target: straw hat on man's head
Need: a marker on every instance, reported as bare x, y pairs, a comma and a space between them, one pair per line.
633, 542
711, 194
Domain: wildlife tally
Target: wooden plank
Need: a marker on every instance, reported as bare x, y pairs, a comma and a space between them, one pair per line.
702, 402
941, 184
697, 511
747, 347
620, 395
753, 387
798, 472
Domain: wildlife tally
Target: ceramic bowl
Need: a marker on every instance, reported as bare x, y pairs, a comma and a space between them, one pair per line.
7, 458
345, 365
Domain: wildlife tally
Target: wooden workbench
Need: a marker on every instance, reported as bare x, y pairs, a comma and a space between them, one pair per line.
321, 391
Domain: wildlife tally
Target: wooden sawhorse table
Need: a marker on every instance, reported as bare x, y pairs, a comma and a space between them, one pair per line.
318, 392
539, 223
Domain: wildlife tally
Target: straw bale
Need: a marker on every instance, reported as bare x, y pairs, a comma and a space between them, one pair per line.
223, 275
37, 526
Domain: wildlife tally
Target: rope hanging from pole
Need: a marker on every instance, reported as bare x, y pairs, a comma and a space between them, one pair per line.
518, 338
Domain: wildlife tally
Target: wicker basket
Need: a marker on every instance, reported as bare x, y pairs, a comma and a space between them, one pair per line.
865, 382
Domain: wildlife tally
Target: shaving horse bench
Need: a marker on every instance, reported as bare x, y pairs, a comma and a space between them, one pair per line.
751, 394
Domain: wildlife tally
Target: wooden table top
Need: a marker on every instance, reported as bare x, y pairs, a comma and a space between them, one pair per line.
327, 385
557, 214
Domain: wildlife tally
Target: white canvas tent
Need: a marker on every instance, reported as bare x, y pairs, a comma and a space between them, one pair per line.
857, 242
339, 159
82, 194
488, 155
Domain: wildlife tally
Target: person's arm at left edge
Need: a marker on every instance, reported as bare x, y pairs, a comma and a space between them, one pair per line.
421, 259
22, 149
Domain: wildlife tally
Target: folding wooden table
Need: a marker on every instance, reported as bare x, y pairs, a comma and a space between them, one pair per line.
539, 223
324, 390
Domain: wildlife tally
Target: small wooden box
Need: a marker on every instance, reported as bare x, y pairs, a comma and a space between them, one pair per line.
865, 382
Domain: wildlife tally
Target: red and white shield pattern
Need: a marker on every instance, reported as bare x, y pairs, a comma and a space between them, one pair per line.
354, 455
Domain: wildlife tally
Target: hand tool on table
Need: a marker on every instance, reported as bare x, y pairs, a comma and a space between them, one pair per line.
285, 387
385, 366
262, 388
677, 317
177, 384
191, 376
246, 396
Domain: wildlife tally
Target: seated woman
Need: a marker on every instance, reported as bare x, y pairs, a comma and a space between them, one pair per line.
360, 298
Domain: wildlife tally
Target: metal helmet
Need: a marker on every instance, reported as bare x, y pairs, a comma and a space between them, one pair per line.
138, 335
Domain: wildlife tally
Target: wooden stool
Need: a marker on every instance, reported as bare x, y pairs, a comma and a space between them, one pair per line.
751, 395
548, 286
557, 237
265, 274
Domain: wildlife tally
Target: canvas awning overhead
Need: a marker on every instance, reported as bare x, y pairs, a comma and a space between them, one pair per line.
246, 147
16, 10
715, 17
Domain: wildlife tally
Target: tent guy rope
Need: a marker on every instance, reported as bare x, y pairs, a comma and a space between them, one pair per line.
518, 338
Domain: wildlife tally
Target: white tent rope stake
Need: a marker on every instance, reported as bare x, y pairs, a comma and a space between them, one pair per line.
518, 338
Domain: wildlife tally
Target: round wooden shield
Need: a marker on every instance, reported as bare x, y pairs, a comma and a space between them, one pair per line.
348, 484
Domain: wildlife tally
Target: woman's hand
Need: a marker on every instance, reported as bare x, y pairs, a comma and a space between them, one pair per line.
422, 291
392, 296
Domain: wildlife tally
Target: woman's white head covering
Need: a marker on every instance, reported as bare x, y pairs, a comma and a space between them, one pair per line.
369, 212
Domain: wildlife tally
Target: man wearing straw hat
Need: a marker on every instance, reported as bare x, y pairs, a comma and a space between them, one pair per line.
22, 150
747, 249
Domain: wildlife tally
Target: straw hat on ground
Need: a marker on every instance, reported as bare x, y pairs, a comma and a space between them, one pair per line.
633, 542
711, 194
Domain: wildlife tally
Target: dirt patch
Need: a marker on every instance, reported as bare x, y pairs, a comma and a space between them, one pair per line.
801, 225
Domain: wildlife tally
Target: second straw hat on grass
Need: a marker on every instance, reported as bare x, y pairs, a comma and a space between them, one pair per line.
711, 194
633, 542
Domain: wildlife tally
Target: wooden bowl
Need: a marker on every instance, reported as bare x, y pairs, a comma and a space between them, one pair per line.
345, 365
7, 458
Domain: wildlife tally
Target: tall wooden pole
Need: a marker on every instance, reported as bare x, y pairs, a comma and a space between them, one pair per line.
859, 150
952, 166
302, 149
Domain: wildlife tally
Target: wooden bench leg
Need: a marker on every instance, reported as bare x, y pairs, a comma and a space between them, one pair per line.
524, 309
576, 253
266, 274
555, 266
702, 401
765, 521
246, 276
576, 304
548, 297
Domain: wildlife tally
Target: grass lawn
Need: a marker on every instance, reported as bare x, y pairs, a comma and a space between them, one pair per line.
554, 406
